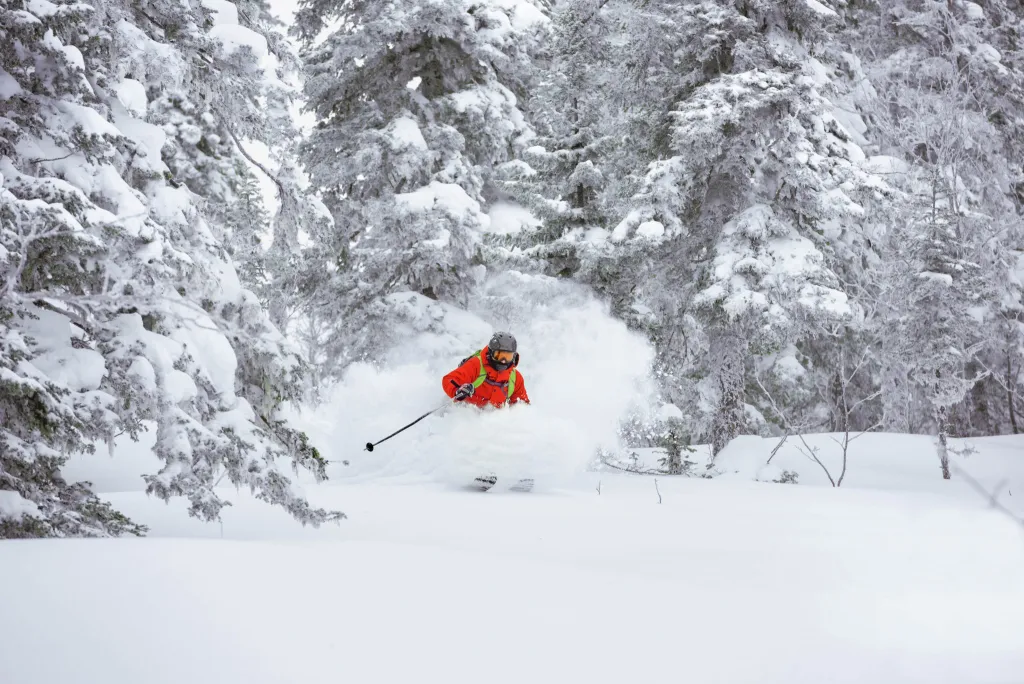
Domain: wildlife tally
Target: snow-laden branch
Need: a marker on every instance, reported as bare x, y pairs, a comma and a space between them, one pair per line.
261, 167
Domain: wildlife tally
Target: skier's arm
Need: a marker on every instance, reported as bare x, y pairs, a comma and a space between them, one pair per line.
520, 393
465, 373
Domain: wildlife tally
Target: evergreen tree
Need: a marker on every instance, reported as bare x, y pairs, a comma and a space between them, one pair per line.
754, 172
120, 307
563, 177
416, 103
942, 95
248, 223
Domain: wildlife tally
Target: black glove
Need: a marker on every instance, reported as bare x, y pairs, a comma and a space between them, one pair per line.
464, 391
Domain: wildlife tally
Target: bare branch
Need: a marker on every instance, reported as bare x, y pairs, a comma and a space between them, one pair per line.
993, 496
40, 161
810, 451
778, 446
635, 471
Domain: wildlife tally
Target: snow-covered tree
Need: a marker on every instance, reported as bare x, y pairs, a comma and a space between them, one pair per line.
562, 178
939, 292
248, 222
753, 177
416, 103
121, 309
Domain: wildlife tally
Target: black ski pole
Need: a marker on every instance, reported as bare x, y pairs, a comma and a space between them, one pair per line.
370, 445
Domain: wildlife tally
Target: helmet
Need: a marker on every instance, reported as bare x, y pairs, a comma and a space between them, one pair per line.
501, 350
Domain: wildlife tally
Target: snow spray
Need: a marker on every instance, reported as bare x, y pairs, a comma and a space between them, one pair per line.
583, 369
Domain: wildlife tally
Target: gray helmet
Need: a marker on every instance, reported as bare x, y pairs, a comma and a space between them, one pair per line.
502, 341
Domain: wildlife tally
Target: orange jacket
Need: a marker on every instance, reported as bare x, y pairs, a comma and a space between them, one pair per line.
494, 390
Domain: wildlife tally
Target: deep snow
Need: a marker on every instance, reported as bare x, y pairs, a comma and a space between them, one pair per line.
721, 582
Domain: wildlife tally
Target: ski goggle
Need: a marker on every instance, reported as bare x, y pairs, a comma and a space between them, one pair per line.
503, 356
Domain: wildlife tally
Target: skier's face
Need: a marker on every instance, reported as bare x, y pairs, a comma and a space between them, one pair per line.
503, 356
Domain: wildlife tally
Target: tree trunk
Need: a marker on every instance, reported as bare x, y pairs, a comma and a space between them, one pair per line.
727, 350
896, 397
839, 420
1010, 384
940, 419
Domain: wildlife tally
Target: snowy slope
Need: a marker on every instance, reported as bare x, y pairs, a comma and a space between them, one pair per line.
721, 582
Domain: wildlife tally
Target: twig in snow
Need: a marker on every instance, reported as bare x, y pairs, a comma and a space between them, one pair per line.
599, 488
222, 476
993, 496
635, 471
812, 453
657, 490
778, 446
807, 449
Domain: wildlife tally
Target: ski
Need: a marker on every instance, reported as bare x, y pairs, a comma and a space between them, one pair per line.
486, 482
483, 483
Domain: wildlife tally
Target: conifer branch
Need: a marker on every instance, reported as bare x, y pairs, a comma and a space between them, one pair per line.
261, 167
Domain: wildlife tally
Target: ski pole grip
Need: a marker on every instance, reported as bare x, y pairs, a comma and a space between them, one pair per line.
456, 386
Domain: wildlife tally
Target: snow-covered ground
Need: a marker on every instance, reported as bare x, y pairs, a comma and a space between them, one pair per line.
596, 576
983, 468
720, 582
604, 577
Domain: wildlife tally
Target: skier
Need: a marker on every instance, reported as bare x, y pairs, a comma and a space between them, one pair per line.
489, 376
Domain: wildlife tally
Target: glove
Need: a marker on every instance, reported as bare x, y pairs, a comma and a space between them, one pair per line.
464, 391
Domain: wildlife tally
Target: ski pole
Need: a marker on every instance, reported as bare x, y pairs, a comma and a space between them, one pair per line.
370, 445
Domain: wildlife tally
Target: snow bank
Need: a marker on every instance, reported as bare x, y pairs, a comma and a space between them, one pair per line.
878, 461
582, 368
